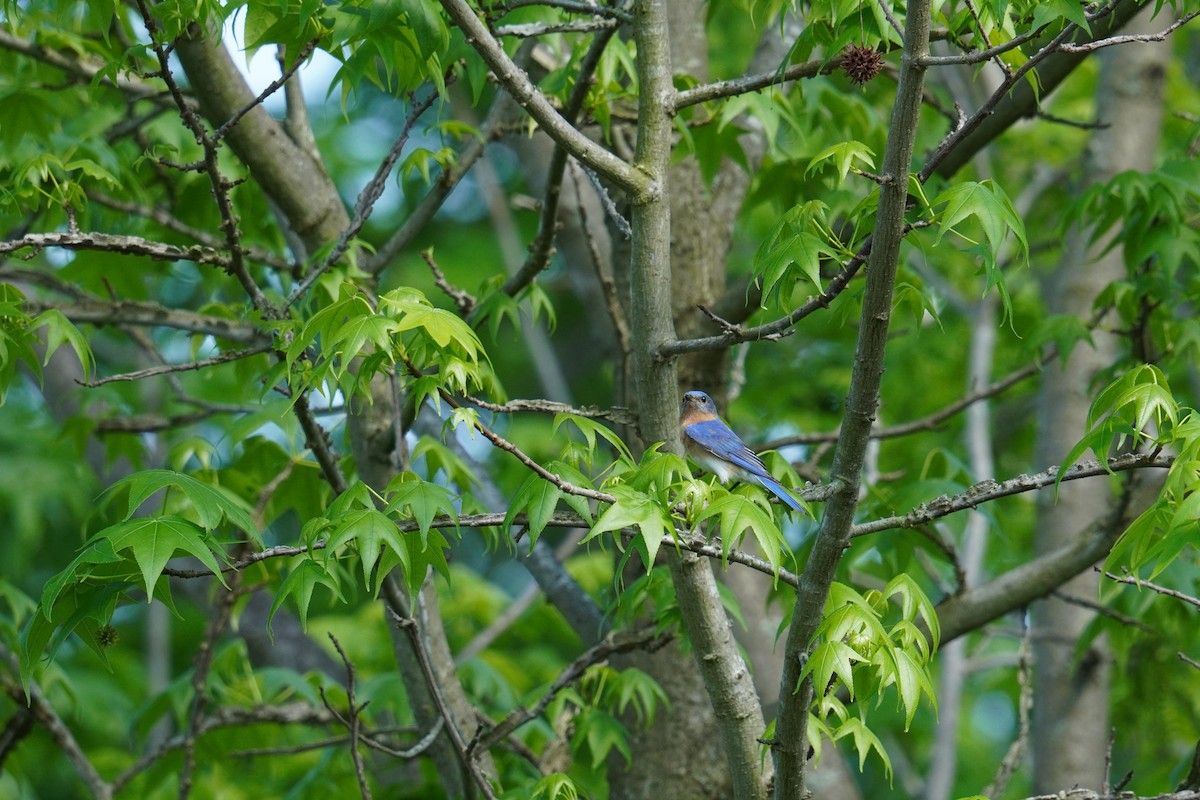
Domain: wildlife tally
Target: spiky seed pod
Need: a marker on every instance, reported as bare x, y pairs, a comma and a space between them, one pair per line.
861, 63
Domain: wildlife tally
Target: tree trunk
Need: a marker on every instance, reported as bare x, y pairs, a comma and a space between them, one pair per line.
1070, 719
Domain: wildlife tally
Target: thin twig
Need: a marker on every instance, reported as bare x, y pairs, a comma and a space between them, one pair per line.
125, 312
200, 672
619, 414
283, 714
410, 626
1088, 47
929, 422
221, 187
986, 491
462, 299
352, 721
272, 87
778, 327
542, 246
368, 196
646, 638
531, 29
137, 375
603, 270
172, 223
32, 697
1134, 580
1016, 751
1102, 610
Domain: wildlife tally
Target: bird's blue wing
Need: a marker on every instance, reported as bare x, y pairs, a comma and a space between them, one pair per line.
717, 438
725, 448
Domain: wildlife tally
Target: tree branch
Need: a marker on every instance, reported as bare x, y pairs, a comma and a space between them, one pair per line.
925, 423
112, 243
154, 315
529, 97
619, 642
33, 698
791, 732
1134, 580
991, 490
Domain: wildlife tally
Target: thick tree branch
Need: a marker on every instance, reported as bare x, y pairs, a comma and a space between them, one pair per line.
790, 744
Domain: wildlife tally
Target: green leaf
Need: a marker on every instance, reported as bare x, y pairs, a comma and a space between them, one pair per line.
211, 504
865, 741
738, 514
911, 678
307, 576
537, 498
59, 330
555, 786
844, 155
590, 429
828, 659
154, 541
410, 497
602, 733
370, 530
633, 509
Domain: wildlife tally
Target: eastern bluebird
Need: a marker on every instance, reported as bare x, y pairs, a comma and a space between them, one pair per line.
711, 443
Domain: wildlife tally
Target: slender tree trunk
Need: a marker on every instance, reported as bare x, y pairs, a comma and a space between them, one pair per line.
1071, 729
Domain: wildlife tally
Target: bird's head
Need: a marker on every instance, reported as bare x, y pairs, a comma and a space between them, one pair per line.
697, 402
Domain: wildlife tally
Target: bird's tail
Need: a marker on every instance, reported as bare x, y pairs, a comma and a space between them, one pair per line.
776, 488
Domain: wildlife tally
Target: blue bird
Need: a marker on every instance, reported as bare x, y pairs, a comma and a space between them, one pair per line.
711, 443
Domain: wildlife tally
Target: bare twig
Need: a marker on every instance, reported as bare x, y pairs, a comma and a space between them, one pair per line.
410, 627
603, 270
172, 223
32, 697
620, 642
352, 719
542, 246
283, 714
1088, 47
1016, 751
986, 491
531, 29
925, 423
776, 328
154, 315
1134, 580
517, 83
752, 83
462, 299
272, 87
200, 672
368, 196
1102, 609
137, 375
618, 415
